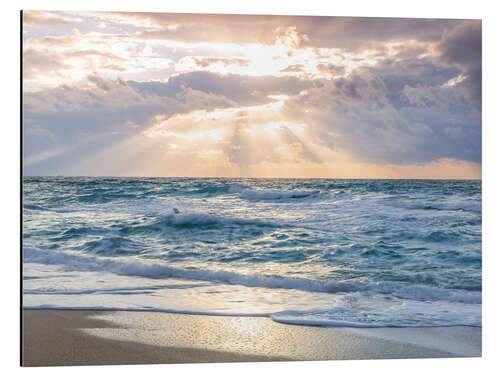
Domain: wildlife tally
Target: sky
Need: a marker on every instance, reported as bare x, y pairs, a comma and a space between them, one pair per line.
197, 95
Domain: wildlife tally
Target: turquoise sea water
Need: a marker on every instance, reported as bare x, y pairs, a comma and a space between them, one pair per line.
362, 253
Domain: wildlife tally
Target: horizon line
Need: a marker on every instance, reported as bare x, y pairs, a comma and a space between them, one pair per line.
268, 178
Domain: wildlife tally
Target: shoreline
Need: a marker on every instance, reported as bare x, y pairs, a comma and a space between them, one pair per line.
95, 337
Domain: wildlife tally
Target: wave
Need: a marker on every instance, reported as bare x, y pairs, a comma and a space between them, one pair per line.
34, 207
118, 238
199, 220
146, 309
212, 189
123, 291
95, 195
104, 196
285, 317
276, 194
343, 317
443, 236
297, 320
248, 193
465, 207
161, 270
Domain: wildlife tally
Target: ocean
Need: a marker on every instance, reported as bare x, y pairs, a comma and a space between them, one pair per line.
328, 252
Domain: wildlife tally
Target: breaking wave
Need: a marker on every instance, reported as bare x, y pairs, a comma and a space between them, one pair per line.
160, 270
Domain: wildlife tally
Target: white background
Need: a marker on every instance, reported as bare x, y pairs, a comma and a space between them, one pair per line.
10, 176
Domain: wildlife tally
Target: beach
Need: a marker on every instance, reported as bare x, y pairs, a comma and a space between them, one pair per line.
90, 337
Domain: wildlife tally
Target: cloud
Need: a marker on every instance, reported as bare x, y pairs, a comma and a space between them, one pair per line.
411, 72
332, 69
37, 63
81, 119
462, 47
231, 95
306, 47
348, 33
293, 68
53, 60
244, 90
203, 62
289, 37
73, 122
356, 114
43, 63
258, 120
239, 136
39, 18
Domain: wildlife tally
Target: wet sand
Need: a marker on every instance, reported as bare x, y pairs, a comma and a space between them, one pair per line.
77, 337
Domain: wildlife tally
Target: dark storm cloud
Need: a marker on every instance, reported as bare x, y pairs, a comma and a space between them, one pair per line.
462, 47
357, 114
398, 74
413, 72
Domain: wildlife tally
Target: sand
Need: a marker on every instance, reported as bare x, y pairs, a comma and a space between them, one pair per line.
75, 337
